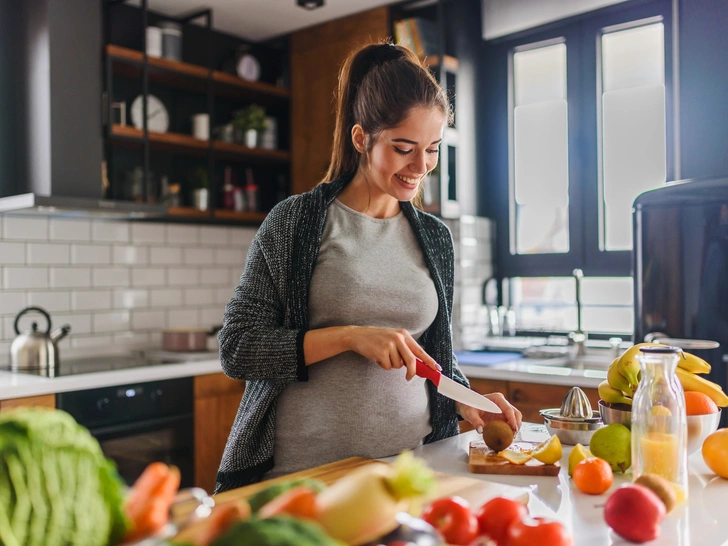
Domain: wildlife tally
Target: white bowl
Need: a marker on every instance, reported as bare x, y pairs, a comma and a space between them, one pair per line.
699, 428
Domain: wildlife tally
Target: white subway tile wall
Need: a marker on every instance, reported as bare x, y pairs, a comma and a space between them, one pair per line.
473, 237
116, 283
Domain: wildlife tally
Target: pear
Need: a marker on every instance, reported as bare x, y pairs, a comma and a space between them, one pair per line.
613, 443
578, 454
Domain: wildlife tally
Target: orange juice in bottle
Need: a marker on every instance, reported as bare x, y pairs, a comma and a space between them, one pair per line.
659, 423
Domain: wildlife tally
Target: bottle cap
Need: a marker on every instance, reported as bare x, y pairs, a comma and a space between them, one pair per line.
660, 350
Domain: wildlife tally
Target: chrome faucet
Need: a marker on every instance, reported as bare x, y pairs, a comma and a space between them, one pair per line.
577, 339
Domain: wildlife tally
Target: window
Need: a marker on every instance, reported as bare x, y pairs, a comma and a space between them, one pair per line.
579, 124
632, 128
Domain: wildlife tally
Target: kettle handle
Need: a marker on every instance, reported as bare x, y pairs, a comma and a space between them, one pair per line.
39, 310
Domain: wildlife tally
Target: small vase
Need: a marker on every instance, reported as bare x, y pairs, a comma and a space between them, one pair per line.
201, 198
251, 138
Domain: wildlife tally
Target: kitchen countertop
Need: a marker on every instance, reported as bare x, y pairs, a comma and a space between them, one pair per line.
531, 370
18, 385
13, 385
699, 522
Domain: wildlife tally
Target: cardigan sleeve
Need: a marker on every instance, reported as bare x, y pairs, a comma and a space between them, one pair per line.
254, 342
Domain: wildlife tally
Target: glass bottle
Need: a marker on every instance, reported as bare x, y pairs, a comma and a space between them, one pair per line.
659, 423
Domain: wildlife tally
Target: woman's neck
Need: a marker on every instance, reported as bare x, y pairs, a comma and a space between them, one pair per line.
363, 196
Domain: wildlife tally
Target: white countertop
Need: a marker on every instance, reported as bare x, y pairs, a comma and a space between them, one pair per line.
18, 385
703, 521
532, 371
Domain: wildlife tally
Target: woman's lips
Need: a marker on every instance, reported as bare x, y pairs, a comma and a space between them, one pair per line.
411, 182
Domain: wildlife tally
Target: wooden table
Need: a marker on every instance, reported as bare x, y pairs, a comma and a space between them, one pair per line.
474, 490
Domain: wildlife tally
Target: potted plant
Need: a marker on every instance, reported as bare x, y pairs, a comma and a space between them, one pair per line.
200, 183
249, 121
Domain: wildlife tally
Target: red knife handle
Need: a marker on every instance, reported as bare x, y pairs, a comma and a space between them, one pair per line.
423, 370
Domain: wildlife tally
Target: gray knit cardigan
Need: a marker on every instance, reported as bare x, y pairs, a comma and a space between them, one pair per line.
261, 341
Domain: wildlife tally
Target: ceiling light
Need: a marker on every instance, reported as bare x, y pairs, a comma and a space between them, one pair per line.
310, 4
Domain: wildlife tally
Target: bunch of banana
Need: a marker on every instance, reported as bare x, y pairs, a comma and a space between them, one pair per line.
624, 375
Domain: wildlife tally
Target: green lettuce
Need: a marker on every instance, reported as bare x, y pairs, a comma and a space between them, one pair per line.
56, 486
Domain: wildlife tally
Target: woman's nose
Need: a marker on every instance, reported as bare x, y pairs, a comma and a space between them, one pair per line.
419, 163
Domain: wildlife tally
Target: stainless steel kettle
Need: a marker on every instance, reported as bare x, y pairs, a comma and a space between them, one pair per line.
35, 350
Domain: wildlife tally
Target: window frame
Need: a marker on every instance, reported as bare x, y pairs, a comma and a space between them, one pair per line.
582, 36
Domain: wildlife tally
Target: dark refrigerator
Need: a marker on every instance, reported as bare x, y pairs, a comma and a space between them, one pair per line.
681, 269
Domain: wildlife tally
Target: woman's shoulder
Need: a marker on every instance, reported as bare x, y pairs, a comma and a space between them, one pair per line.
285, 216
434, 226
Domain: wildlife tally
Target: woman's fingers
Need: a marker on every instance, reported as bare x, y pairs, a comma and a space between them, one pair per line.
420, 353
511, 414
408, 358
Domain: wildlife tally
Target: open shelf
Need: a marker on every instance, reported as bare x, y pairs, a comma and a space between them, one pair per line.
176, 142
192, 76
450, 63
188, 212
223, 214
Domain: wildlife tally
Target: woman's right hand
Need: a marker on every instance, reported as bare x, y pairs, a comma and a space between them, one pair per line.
390, 348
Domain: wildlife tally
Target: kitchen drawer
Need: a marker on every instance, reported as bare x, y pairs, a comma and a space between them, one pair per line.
217, 398
487, 386
530, 398
44, 400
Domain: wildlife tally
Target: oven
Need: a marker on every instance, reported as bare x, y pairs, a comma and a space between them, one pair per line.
139, 423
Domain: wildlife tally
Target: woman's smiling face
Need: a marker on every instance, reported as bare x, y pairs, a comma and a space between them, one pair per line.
403, 155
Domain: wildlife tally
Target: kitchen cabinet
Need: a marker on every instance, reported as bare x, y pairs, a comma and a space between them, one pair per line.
217, 398
44, 400
316, 56
529, 398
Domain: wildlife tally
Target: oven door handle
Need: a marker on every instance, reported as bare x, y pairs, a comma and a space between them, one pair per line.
139, 427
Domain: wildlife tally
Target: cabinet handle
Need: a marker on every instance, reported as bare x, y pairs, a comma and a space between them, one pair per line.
518, 396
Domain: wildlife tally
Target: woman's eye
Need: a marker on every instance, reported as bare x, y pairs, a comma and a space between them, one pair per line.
435, 151
401, 151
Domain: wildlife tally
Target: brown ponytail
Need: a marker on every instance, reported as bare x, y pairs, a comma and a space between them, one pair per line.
378, 85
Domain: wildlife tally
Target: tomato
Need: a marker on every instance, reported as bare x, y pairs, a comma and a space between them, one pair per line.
496, 515
541, 531
452, 517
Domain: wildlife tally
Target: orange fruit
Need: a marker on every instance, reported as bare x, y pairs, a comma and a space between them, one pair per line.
698, 403
715, 452
593, 476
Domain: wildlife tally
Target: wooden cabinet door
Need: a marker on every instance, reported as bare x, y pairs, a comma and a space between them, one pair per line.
316, 56
529, 398
484, 386
44, 400
217, 398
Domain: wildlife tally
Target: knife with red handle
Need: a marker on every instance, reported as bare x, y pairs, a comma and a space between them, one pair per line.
454, 390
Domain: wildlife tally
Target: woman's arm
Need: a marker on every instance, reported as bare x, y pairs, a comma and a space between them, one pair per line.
254, 344
390, 348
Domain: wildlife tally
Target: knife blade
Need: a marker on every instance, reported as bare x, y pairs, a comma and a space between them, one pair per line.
454, 390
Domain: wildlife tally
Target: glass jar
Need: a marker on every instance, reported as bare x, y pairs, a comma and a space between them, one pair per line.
659, 423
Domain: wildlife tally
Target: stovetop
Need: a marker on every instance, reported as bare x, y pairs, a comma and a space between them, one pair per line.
106, 363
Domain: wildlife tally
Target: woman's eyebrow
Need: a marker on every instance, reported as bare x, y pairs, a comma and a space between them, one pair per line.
413, 142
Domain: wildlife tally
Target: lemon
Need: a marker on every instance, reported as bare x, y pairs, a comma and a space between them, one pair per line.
549, 451
661, 411
515, 457
578, 454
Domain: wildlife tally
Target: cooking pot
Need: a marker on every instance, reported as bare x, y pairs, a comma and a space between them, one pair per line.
187, 339
34, 349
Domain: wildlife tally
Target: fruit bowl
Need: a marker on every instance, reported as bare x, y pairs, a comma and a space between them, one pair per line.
616, 413
699, 428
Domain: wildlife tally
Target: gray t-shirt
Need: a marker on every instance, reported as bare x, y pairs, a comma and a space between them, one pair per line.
369, 272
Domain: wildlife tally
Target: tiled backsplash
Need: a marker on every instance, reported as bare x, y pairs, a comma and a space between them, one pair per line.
474, 240
121, 283
116, 282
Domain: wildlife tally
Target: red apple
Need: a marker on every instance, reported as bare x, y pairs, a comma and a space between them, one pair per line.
634, 513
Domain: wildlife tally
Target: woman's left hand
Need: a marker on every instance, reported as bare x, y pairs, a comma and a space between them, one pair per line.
479, 418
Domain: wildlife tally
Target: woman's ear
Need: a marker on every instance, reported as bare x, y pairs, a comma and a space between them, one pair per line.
359, 138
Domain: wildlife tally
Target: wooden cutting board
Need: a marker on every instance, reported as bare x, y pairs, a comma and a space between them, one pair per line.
474, 490
483, 460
